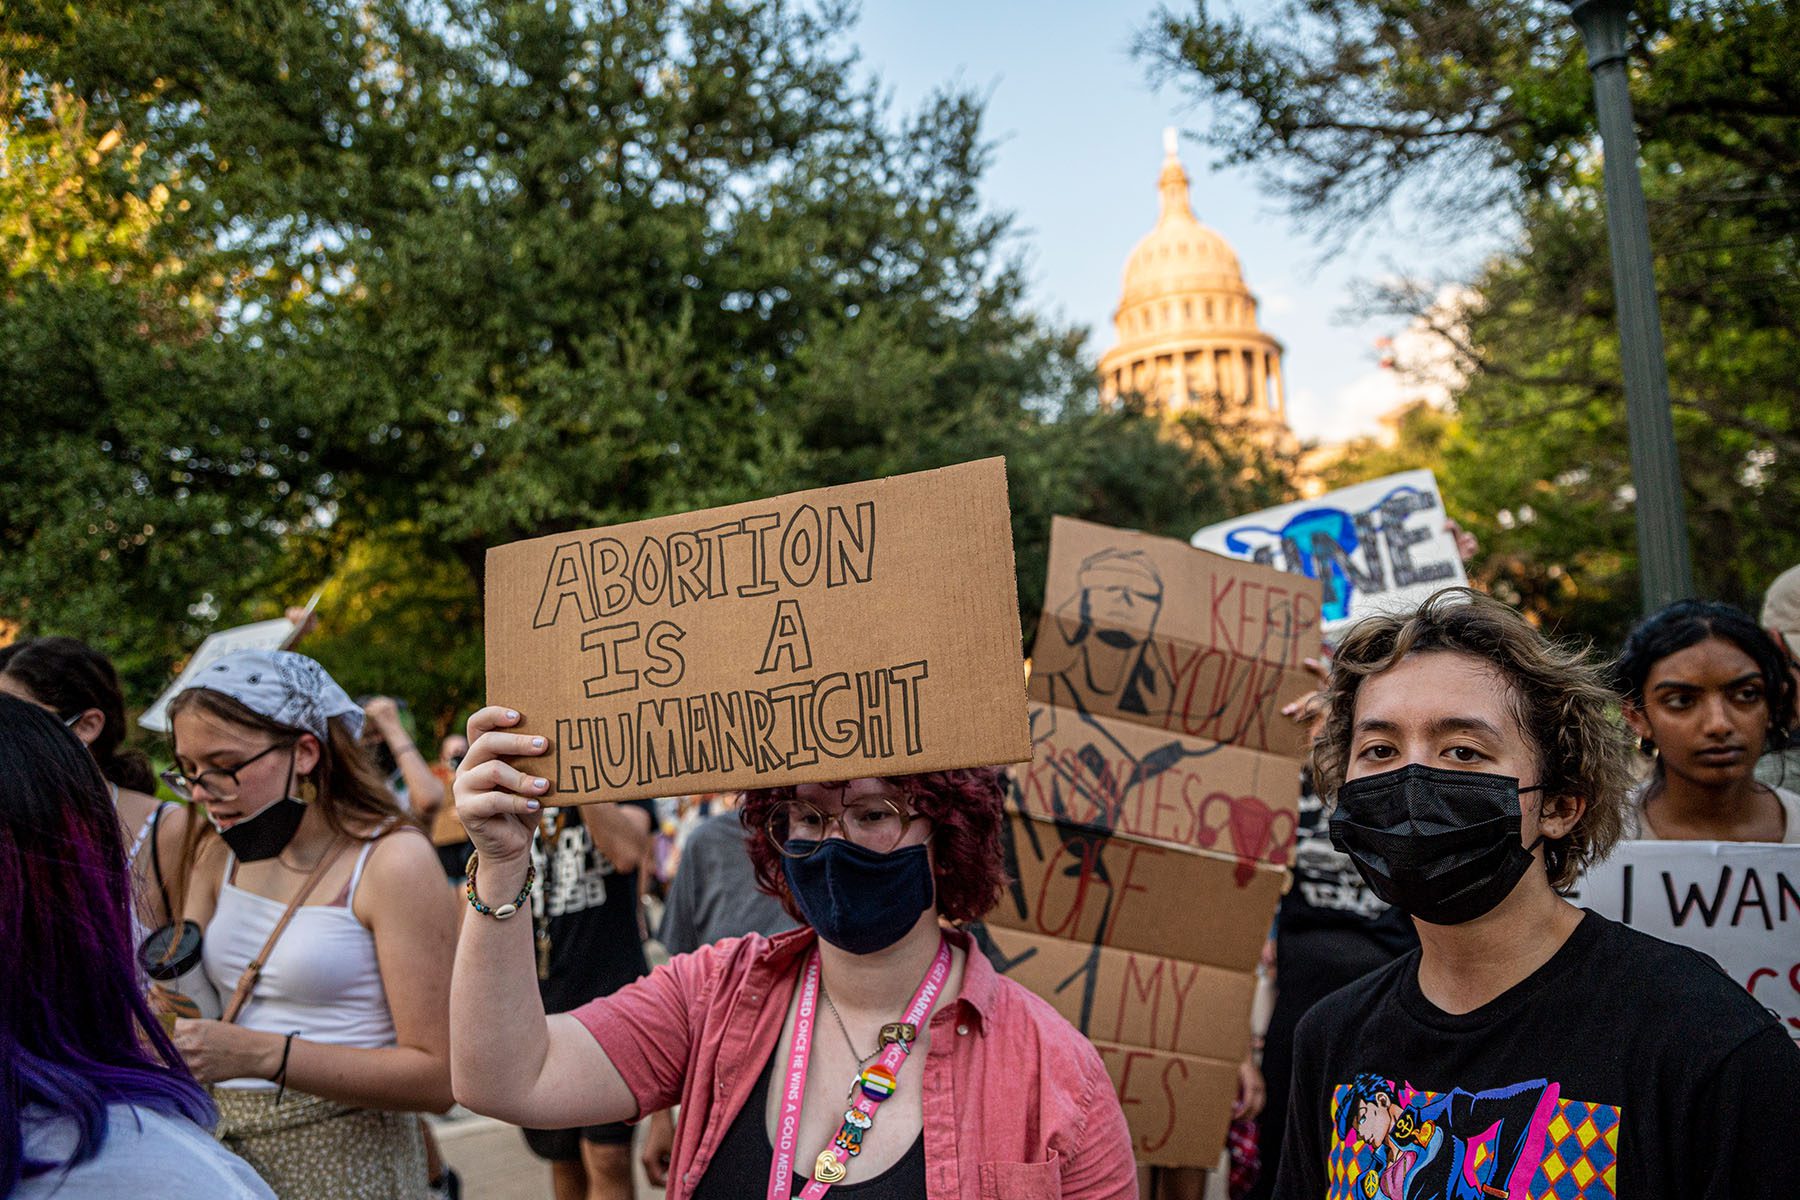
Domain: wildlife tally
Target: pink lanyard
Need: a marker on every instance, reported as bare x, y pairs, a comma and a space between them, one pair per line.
874, 1084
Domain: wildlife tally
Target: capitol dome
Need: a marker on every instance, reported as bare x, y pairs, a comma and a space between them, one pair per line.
1186, 320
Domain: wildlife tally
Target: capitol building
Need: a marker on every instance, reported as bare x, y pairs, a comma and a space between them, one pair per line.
1186, 321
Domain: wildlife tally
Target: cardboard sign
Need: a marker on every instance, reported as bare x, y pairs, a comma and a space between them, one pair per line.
1173, 1102
1159, 786
1738, 902
1144, 629
1377, 547
1110, 889
259, 635
1149, 837
868, 629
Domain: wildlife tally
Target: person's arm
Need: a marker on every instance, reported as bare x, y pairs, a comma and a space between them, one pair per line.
1745, 1118
507, 1059
621, 832
424, 792
1102, 1166
412, 918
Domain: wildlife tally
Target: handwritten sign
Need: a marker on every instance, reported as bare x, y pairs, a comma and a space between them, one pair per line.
868, 629
1377, 547
1148, 838
260, 635
1738, 902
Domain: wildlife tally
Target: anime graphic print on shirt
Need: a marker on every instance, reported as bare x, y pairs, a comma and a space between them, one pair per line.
1526, 1141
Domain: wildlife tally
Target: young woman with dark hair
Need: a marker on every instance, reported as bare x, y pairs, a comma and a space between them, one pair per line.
1708, 692
79, 685
321, 879
1527, 1048
94, 1100
756, 1037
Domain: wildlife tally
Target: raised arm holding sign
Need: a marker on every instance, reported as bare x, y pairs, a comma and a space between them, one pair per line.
852, 657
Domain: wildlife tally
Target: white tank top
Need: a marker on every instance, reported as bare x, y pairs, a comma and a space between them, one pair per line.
322, 981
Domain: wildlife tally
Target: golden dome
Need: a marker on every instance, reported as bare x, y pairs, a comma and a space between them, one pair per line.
1180, 256
1186, 319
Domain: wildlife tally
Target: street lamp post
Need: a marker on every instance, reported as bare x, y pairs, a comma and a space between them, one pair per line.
1665, 571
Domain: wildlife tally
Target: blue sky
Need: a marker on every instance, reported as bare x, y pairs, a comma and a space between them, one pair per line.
1078, 133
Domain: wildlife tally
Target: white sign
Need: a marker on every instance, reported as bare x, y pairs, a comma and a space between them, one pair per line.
1736, 901
1377, 547
260, 635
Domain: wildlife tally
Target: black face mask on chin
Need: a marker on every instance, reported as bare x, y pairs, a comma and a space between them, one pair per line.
1442, 846
267, 833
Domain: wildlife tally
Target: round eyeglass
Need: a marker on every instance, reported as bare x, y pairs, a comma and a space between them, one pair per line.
221, 783
797, 828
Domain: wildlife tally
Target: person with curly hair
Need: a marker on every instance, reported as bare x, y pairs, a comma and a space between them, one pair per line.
1708, 692
1527, 1047
962, 1084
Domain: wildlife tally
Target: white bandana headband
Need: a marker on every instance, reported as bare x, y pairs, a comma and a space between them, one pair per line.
285, 687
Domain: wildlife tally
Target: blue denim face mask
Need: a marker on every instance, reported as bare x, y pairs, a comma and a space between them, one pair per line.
859, 900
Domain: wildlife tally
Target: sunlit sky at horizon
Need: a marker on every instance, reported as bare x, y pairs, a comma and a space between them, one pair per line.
1077, 128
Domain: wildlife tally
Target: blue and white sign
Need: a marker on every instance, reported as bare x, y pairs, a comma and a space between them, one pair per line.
1377, 547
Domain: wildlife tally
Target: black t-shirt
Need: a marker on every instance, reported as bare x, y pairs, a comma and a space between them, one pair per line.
1624, 1066
1331, 928
588, 908
740, 1167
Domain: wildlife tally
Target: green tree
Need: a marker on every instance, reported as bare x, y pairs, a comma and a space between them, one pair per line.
450, 276
1482, 110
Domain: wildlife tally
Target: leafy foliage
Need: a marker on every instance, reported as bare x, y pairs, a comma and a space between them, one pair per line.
423, 278
1482, 110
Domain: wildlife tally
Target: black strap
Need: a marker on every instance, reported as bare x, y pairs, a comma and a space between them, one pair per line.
174, 918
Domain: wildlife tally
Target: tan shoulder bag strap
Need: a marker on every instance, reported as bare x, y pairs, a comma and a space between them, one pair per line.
247, 981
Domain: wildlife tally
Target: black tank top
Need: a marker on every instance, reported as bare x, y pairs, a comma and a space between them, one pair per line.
740, 1169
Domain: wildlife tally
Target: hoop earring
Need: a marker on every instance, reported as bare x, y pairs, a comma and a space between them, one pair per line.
1648, 746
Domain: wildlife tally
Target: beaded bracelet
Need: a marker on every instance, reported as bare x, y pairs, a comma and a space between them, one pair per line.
505, 910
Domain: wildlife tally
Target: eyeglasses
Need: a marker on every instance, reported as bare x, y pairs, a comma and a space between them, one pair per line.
221, 783
873, 822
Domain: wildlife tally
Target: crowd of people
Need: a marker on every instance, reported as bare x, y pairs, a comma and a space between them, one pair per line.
255, 974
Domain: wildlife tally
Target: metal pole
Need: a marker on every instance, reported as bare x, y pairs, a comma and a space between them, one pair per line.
1665, 571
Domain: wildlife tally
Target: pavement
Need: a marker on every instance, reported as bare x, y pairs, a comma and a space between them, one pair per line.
494, 1164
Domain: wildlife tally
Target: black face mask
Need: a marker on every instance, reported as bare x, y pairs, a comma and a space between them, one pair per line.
860, 900
267, 833
1442, 846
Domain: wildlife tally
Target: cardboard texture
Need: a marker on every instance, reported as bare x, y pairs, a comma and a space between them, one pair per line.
1173, 1103
868, 629
1144, 629
1377, 547
1160, 786
1110, 889
1149, 837
1131, 999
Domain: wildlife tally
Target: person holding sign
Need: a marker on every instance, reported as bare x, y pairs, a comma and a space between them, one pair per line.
1708, 692
961, 1083
328, 932
1527, 1048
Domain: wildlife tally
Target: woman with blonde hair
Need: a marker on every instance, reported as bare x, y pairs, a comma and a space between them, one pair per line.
328, 936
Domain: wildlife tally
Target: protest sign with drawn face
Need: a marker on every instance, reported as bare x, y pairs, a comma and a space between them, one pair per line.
1147, 838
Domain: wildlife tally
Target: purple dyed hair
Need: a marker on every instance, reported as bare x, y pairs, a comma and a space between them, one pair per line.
76, 1033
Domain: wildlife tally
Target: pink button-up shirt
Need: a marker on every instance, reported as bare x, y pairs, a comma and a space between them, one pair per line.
1017, 1103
